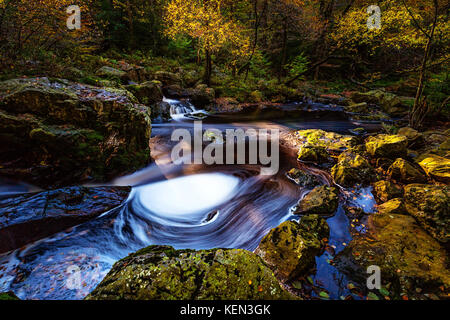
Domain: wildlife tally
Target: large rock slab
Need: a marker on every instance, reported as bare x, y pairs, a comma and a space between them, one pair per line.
413, 265
25, 218
430, 205
163, 273
55, 132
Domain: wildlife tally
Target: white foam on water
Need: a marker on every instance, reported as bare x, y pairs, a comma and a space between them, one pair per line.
188, 195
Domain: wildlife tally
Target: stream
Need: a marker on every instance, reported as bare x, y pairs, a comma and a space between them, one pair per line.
185, 206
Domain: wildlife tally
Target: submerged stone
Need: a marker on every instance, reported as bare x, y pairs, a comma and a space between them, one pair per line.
430, 205
163, 273
25, 218
394, 206
407, 256
323, 200
386, 190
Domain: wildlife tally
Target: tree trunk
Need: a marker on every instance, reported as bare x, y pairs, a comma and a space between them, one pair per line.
208, 68
421, 108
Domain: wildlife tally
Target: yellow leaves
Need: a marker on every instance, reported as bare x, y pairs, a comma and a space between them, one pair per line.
205, 22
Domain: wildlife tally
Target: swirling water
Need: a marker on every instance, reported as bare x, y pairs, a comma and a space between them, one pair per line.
185, 206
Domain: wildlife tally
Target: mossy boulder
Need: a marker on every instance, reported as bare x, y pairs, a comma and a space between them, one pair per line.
314, 154
387, 146
201, 96
394, 206
415, 139
404, 171
386, 190
290, 249
389, 102
168, 78
437, 167
319, 138
55, 132
147, 93
430, 205
303, 178
163, 273
110, 73
351, 169
358, 108
412, 263
323, 200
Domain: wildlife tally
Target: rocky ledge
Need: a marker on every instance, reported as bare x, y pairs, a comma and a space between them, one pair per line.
56, 132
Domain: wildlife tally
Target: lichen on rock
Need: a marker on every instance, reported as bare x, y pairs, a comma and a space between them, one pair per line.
163, 273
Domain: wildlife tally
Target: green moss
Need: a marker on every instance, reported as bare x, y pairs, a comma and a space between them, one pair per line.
160, 272
322, 200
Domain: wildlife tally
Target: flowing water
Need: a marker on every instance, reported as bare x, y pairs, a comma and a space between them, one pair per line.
185, 206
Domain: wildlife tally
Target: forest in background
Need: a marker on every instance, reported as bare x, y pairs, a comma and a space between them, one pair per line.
250, 50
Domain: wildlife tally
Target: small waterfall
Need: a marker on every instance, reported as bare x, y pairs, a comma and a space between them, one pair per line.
182, 110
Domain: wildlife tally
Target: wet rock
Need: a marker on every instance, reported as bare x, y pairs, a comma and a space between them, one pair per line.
314, 154
386, 190
163, 273
330, 140
25, 218
303, 178
202, 96
408, 257
290, 248
110, 73
437, 167
161, 112
387, 146
323, 200
56, 132
404, 171
384, 163
358, 108
415, 139
430, 205
394, 206
352, 169
168, 78
390, 103
147, 93
353, 212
